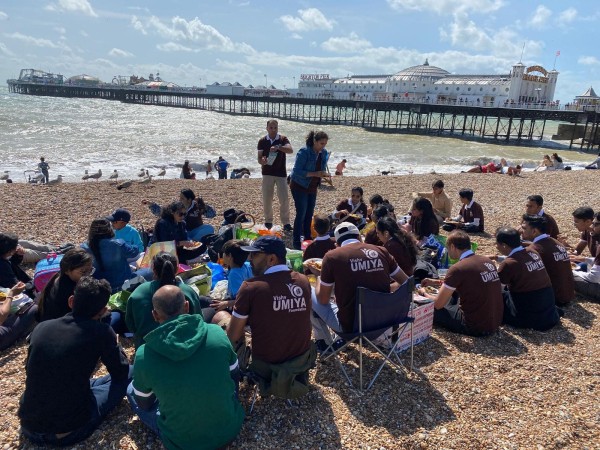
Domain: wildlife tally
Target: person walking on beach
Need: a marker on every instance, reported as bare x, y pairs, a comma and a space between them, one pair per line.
272, 150
44, 166
209, 168
222, 167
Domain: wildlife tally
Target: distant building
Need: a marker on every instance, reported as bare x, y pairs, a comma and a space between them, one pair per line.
587, 99
431, 84
83, 80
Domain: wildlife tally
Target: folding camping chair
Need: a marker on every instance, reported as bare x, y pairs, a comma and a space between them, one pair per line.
375, 313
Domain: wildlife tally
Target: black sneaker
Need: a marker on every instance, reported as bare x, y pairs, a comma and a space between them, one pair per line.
288, 228
268, 225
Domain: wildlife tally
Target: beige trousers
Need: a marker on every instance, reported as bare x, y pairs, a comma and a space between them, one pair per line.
268, 189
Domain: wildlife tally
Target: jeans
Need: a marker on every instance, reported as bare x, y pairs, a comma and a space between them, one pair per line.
104, 397
197, 233
222, 174
305, 209
324, 317
16, 326
147, 416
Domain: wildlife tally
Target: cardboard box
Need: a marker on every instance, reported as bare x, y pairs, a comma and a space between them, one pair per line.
422, 326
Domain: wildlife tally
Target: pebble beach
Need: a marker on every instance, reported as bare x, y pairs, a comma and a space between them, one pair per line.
516, 389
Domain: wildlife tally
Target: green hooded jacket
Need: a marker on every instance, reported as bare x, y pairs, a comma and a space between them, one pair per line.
186, 363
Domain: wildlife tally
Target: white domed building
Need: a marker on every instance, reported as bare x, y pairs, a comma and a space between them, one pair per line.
430, 84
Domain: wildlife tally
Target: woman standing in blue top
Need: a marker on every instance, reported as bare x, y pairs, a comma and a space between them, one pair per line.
309, 168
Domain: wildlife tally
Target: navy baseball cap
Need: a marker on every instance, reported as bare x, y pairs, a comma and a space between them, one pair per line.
120, 214
271, 245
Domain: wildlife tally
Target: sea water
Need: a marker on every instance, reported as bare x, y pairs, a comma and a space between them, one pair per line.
75, 135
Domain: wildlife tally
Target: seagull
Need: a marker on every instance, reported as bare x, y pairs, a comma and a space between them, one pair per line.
114, 175
124, 184
86, 176
96, 175
58, 180
142, 173
146, 179
162, 173
5, 176
38, 178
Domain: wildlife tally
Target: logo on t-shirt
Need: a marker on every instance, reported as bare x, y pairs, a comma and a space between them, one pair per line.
561, 254
536, 264
491, 275
374, 264
295, 303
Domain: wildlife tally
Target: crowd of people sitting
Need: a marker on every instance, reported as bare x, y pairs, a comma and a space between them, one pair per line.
192, 349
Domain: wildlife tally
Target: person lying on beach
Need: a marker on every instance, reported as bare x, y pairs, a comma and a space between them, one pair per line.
470, 217
510, 170
594, 164
490, 167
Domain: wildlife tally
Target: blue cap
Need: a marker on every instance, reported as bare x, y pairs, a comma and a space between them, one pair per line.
271, 245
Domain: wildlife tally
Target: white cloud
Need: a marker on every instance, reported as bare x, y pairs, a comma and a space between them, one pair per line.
173, 47
349, 44
78, 6
588, 60
447, 6
504, 43
307, 19
84, 34
4, 49
60, 30
567, 16
540, 17
120, 53
30, 40
138, 25
191, 32
3, 15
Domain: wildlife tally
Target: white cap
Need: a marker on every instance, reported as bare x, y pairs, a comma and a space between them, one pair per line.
345, 229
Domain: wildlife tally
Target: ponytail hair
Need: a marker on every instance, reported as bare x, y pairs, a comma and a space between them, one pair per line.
164, 266
315, 136
388, 224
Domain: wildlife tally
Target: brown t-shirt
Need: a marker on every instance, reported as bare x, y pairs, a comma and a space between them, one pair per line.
277, 169
477, 283
524, 271
372, 238
278, 307
356, 265
558, 266
592, 243
552, 226
474, 212
318, 248
400, 253
347, 205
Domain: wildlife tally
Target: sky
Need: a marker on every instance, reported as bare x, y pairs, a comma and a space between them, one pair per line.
194, 43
